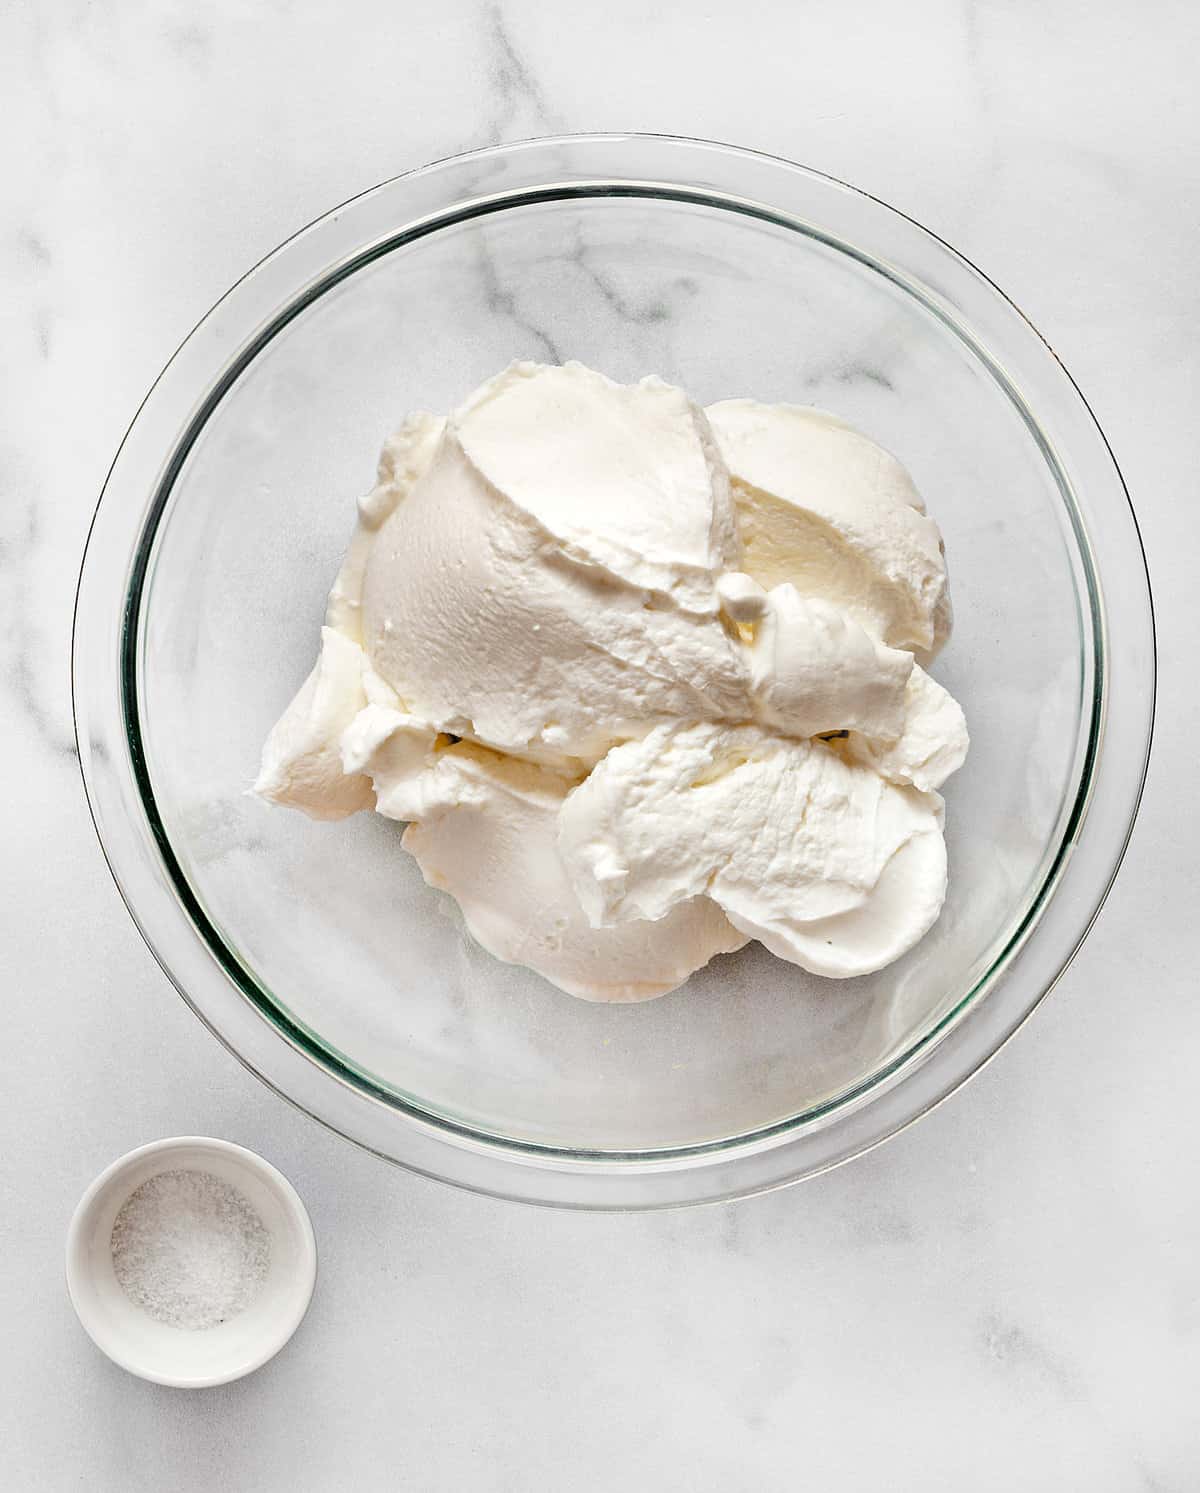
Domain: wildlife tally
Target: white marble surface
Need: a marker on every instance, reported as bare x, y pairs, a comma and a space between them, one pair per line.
1005, 1297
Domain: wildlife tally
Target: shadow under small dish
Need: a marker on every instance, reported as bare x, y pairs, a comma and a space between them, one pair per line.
325, 963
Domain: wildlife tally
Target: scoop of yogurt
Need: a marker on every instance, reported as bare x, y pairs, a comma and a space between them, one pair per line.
646, 681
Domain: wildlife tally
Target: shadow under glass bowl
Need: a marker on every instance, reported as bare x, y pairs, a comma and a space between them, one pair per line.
315, 951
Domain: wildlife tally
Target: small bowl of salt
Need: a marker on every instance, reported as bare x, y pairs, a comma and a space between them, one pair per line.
191, 1261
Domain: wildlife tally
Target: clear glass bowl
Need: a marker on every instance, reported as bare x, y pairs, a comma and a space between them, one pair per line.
315, 951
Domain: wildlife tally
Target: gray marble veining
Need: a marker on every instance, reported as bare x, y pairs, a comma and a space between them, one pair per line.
1004, 1297
519, 106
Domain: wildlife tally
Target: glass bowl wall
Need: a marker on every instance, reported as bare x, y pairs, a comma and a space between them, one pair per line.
316, 950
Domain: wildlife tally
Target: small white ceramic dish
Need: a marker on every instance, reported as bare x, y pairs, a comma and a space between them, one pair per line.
178, 1356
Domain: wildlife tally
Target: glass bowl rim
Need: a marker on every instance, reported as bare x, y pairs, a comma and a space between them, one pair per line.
516, 1157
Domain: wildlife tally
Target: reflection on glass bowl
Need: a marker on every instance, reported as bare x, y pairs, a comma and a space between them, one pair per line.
320, 956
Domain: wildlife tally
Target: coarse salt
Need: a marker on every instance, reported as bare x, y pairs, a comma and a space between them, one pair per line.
189, 1249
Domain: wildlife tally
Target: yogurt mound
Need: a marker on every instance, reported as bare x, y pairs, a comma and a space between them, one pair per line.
644, 680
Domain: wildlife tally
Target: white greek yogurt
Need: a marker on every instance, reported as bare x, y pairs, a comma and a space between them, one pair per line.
645, 681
